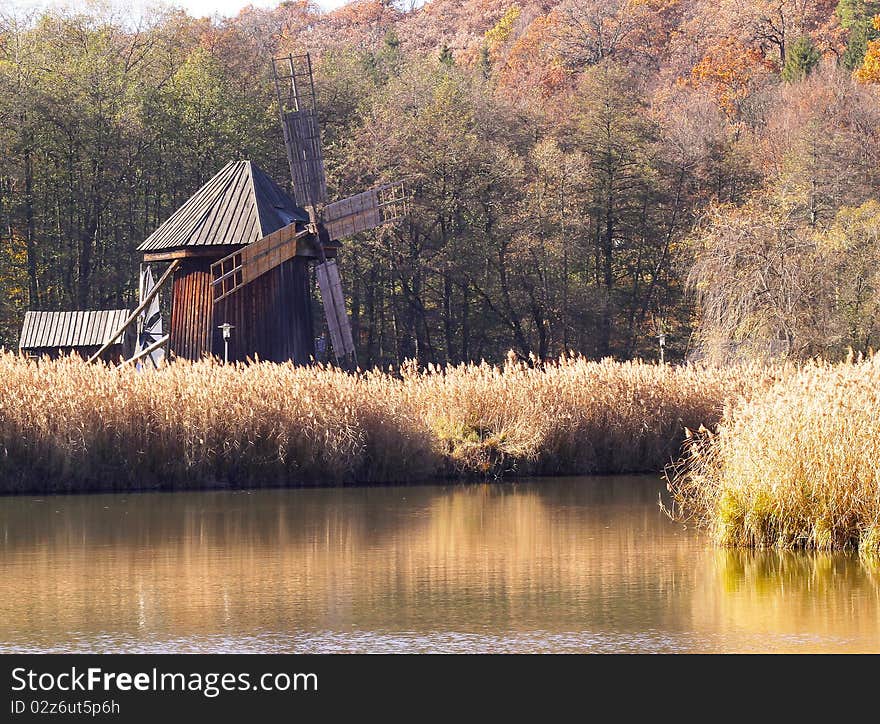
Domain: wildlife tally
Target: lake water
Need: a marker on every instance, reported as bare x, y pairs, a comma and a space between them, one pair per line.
551, 565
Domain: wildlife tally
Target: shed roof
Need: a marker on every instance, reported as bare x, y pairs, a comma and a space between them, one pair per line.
55, 330
239, 205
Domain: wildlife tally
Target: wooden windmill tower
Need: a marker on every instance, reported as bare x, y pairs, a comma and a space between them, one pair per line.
240, 248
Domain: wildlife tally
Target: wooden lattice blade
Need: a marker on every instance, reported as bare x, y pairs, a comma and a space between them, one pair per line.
334, 308
294, 82
241, 267
295, 87
302, 139
364, 211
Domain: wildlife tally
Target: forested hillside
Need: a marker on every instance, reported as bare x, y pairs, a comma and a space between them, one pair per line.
585, 173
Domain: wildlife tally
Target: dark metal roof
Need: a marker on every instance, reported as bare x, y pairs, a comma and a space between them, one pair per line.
55, 330
237, 206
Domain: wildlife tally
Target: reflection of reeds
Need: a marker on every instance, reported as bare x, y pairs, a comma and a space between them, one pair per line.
68, 425
798, 467
798, 596
592, 556
466, 558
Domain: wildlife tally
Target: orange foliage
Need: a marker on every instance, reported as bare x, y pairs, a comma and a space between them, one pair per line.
364, 12
531, 60
727, 71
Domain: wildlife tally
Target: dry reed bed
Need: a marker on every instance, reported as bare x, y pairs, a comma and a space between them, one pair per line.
66, 425
797, 467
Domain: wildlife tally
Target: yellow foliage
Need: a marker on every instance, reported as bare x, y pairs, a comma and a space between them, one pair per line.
727, 70
853, 226
869, 72
500, 33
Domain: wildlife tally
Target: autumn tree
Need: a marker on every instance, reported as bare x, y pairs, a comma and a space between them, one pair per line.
19, 71
855, 17
594, 31
759, 282
732, 72
851, 249
617, 134
115, 127
787, 272
569, 162
770, 285
869, 72
770, 26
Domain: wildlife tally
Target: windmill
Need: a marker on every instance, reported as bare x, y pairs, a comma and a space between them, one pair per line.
240, 250
323, 224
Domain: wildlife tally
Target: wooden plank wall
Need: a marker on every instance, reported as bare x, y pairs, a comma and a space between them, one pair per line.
272, 315
297, 323
192, 319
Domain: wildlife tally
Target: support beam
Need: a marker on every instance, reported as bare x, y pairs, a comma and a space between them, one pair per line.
191, 252
141, 307
144, 352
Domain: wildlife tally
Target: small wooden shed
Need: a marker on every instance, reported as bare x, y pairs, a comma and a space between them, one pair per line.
84, 333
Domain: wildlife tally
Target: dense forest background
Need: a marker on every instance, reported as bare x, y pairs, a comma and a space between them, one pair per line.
586, 174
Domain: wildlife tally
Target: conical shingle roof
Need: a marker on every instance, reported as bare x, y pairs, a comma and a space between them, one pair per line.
237, 206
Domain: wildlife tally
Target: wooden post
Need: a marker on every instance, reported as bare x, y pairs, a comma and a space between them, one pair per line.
141, 307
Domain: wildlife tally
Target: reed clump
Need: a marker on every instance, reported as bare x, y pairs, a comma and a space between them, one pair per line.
797, 467
67, 425
574, 416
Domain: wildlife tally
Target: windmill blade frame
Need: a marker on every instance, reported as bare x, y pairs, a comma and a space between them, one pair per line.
295, 87
302, 138
364, 211
241, 267
338, 322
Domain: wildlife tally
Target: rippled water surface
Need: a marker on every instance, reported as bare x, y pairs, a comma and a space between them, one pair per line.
555, 565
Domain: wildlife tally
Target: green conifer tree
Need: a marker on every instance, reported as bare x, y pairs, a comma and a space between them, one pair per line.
800, 60
855, 16
485, 61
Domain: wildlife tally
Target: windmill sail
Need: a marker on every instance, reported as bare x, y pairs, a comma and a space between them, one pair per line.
364, 211
302, 138
294, 84
334, 309
295, 87
241, 267
150, 321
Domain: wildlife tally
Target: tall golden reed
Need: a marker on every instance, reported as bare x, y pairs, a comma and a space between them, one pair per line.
797, 467
66, 425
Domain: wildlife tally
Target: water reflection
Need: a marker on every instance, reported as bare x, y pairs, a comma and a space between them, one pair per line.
823, 600
584, 564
